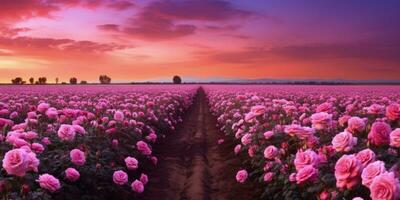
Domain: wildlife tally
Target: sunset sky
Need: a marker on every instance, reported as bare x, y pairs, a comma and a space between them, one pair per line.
133, 40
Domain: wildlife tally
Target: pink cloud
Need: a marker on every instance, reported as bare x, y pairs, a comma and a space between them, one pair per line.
207, 10
121, 5
162, 20
24, 44
14, 10
109, 27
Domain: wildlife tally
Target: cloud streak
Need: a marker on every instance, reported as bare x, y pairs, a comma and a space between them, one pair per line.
163, 20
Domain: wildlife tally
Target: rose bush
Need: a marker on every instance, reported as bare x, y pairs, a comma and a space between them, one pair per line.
86, 142
313, 142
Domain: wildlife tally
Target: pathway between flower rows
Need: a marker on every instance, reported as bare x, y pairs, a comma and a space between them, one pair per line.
191, 164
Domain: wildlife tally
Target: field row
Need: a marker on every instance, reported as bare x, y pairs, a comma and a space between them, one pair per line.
313, 142
84, 142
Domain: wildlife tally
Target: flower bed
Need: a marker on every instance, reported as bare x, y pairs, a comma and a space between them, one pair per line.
314, 142
83, 142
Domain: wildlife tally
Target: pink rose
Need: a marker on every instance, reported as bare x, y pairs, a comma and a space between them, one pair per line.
324, 195
343, 120
137, 186
49, 182
251, 151
143, 147
33, 162
220, 141
42, 107
66, 132
144, 179
120, 177
152, 137
77, 157
18, 142
384, 187
375, 109
268, 177
321, 120
299, 131
114, 143
306, 158
307, 173
344, 142
37, 148
312, 141
154, 160
395, 138
258, 110
271, 152
16, 162
31, 135
380, 133
292, 177
393, 111
246, 139
119, 116
366, 156
237, 148
79, 129
347, 171
371, 171
72, 174
241, 176
249, 116
324, 107
268, 134
355, 124
46, 141
131, 163
254, 112
52, 113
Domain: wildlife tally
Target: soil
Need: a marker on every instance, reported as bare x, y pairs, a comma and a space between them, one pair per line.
192, 166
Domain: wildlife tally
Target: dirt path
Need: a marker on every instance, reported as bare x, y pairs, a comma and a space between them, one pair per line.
191, 164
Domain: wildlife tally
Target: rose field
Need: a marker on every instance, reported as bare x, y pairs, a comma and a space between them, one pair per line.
199, 142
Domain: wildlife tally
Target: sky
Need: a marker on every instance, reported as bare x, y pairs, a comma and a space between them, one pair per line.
137, 40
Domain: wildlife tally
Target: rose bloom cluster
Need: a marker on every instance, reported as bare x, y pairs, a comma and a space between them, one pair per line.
93, 141
313, 142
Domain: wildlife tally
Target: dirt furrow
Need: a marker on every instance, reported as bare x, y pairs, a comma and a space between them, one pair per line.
192, 166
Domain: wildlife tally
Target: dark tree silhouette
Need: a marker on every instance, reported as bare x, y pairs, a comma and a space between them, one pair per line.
177, 80
42, 80
31, 80
73, 81
83, 82
17, 81
104, 79
57, 80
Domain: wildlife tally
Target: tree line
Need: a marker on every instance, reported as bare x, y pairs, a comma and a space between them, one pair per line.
103, 79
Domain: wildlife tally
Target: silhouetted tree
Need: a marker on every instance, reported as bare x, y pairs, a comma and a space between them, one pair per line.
17, 81
63, 83
57, 80
31, 80
73, 81
42, 80
104, 79
177, 80
83, 82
